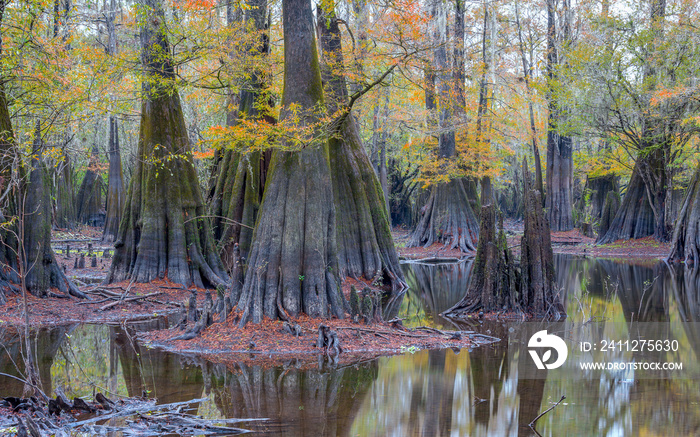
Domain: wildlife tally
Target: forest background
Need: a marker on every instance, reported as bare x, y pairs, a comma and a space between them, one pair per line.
595, 92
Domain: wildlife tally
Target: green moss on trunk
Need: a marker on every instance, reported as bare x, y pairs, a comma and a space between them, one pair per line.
240, 179
293, 265
363, 233
163, 232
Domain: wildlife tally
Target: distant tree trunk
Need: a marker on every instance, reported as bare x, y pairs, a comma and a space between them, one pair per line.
293, 264
560, 164
64, 215
447, 217
496, 284
527, 72
595, 192
363, 233
162, 231
240, 178
116, 195
610, 207
486, 94
89, 200
402, 189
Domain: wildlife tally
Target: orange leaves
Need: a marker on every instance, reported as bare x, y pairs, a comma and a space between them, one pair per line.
197, 4
203, 155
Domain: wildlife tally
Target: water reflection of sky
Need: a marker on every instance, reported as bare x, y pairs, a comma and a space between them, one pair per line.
428, 393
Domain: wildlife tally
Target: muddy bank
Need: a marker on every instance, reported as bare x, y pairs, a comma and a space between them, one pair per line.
569, 242
272, 342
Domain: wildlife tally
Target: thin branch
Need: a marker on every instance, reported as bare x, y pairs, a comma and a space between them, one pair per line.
532, 424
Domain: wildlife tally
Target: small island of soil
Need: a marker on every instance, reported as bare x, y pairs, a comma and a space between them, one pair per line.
271, 341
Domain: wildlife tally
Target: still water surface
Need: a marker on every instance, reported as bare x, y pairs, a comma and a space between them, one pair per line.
426, 393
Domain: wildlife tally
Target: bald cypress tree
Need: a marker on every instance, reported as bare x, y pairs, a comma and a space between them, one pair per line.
293, 264
25, 215
365, 244
240, 177
162, 232
447, 217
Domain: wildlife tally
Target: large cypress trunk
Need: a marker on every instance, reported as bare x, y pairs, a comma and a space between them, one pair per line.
365, 245
493, 283
496, 284
162, 231
685, 246
240, 178
40, 267
634, 218
116, 196
293, 264
447, 218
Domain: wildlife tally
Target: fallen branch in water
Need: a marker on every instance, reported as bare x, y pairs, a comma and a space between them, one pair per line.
129, 299
532, 424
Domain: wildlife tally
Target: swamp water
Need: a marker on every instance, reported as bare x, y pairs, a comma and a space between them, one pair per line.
421, 393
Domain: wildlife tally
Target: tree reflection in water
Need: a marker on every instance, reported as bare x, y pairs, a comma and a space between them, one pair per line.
428, 393
45, 344
297, 399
